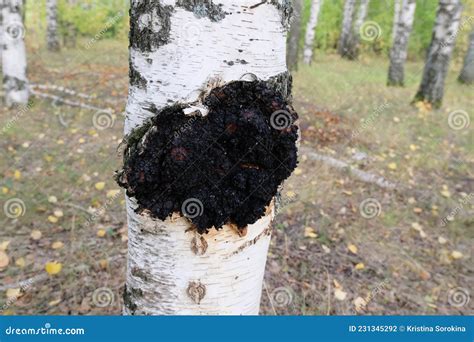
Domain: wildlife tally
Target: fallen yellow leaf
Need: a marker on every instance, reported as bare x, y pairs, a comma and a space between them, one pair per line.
36, 234
392, 166
17, 174
352, 248
13, 294
53, 267
58, 213
360, 266
456, 255
340, 294
57, 245
20, 262
52, 199
309, 232
52, 219
4, 245
100, 185
4, 259
101, 233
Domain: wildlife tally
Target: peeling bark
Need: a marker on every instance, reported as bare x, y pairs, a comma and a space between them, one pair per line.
182, 56
439, 53
52, 29
467, 73
399, 50
15, 82
310, 30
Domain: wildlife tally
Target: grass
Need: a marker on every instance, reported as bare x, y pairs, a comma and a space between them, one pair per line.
410, 271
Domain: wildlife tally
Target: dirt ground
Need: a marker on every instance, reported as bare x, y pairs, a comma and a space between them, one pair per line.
340, 245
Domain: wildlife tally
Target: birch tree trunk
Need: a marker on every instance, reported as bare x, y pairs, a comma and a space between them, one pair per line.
443, 38
396, 17
467, 73
310, 31
52, 29
15, 82
399, 50
294, 35
177, 50
346, 30
352, 48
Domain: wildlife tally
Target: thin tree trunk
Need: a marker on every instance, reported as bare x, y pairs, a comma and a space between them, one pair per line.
177, 52
352, 49
396, 18
467, 73
399, 50
15, 82
310, 31
346, 30
444, 35
52, 29
294, 35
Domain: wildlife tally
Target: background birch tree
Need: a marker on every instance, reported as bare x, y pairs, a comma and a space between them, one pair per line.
443, 39
467, 73
352, 48
177, 52
294, 35
404, 17
347, 20
15, 82
310, 31
52, 39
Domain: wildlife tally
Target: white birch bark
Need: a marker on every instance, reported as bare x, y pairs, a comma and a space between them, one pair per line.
352, 49
172, 270
348, 16
396, 17
294, 35
399, 50
467, 73
52, 28
15, 82
445, 31
310, 31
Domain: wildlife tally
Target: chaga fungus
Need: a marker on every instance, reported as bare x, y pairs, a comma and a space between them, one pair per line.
217, 169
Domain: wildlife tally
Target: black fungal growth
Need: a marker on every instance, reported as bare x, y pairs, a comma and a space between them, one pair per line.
221, 168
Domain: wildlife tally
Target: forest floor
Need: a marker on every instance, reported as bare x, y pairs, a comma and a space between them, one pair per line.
340, 245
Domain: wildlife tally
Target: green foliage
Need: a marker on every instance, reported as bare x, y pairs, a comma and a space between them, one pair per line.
92, 17
382, 12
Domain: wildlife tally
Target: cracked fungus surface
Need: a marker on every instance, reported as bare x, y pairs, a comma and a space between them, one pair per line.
222, 168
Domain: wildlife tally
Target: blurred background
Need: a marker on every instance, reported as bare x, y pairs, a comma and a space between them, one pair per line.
377, 218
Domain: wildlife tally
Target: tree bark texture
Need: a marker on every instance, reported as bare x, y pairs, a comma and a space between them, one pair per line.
178, 49
444, 35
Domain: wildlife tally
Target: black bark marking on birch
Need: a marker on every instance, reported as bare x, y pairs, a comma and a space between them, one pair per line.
129, 301
13, 83
229, 164
196, 291
286, 11
199, 245
144, 17
139, 273
266, 232
203, 9
136, 79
